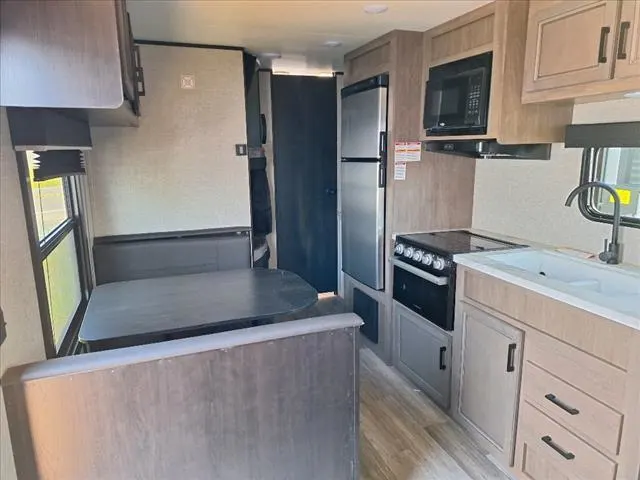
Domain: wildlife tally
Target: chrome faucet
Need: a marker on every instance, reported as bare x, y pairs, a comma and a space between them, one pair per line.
611, 253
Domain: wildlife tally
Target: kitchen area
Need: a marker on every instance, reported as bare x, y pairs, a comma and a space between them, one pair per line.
468, 224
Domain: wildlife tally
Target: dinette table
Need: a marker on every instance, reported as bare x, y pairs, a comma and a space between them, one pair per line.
136, 312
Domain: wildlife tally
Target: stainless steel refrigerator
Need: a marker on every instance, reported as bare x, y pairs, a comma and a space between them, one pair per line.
363, 179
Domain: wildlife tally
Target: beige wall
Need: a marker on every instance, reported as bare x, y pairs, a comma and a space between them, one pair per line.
526, 199
24, 342
178, 170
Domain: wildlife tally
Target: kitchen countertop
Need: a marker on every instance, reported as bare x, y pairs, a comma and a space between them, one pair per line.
626, 313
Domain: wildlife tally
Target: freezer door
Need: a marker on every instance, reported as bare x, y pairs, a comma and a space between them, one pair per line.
364, 124
363, 223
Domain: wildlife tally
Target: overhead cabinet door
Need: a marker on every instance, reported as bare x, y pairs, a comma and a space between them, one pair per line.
628, 45
570, 43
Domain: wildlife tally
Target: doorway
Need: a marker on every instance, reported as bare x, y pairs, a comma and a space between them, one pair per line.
305, 128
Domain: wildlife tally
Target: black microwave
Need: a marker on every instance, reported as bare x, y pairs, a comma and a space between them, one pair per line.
457, 97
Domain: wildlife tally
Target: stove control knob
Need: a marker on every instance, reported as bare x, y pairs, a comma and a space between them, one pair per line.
399, 248
427, 259
417, 256
408, 252
439, 263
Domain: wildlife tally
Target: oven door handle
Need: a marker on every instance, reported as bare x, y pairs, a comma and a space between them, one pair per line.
420, 273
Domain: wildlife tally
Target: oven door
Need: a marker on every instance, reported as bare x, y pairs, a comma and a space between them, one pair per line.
422, 292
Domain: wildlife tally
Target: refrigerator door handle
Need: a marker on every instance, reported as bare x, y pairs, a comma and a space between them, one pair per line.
383, 144
382, 175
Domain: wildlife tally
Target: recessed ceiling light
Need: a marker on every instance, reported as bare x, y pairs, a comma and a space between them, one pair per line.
270, 55
332, 43
632, 95
375, 9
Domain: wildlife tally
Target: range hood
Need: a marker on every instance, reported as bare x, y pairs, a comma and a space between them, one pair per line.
602, 135
490, 149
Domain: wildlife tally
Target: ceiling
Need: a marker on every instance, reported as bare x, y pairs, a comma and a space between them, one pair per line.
296, 30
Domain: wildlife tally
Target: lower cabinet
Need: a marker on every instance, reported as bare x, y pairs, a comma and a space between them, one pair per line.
546, 451
422, 352
486, 379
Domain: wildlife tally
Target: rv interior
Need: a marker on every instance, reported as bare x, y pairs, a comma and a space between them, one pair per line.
320, 240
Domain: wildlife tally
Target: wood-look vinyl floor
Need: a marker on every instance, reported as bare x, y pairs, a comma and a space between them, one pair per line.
405, 436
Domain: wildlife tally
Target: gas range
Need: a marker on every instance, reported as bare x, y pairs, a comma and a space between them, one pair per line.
424, 271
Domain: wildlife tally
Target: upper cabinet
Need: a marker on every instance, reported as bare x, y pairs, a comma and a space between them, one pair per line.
499, 27
75, 54
581, 48
628, 47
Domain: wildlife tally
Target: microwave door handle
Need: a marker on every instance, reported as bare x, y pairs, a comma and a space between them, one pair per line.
440, 281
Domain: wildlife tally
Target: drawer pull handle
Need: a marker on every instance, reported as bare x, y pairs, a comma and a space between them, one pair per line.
622, 40
511, 357
443, 350
559, 403
549, 441
602, 48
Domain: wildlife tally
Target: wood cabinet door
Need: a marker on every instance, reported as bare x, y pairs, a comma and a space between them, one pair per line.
628, 43
570, 43
423, 353
487, 376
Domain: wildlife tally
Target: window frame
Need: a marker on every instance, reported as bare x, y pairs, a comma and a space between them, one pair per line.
41, 249
588, 173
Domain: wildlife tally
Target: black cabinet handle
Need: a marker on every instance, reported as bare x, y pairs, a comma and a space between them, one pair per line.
549, 441
511, 357
553, 399
602, 49
622, 40
442, 352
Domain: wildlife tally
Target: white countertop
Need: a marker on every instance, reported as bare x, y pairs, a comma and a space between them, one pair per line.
626, 312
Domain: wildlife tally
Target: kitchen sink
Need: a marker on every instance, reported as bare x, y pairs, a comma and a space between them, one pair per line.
608, 290
575, 272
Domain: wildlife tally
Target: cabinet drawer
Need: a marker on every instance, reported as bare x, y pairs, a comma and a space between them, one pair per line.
569, 406
547, 450
582, 371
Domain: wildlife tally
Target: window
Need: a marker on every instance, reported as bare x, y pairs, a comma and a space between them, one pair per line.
60, 253
620, 168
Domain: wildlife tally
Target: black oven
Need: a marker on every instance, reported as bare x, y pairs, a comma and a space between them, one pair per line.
457, 97
429, 295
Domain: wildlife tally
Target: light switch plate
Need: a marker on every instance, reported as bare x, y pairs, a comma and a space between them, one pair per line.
241, 149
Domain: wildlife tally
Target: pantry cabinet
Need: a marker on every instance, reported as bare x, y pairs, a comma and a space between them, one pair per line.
487, 368
581, 48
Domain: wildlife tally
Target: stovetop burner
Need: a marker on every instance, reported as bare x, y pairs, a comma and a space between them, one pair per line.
456, 241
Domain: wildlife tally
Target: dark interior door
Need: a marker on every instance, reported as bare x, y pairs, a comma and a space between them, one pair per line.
305, 125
